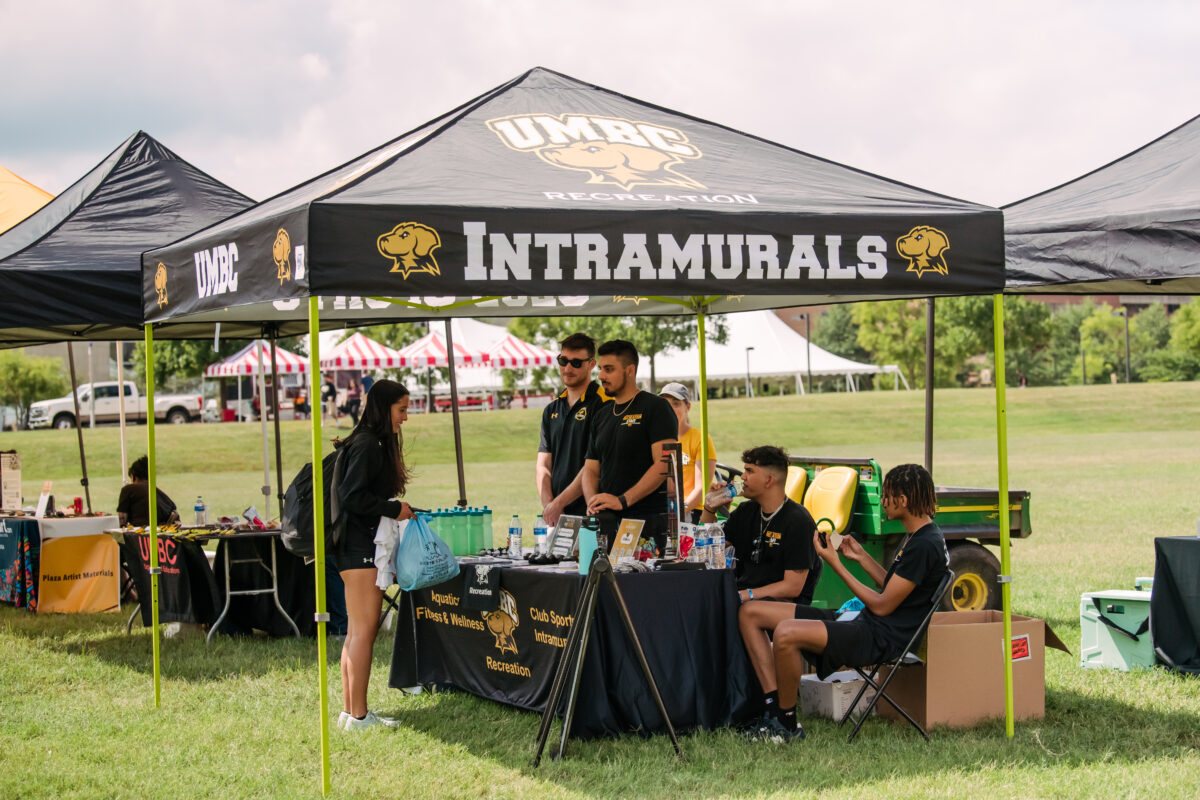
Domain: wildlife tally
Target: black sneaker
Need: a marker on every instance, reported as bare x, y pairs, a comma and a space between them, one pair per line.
773, 731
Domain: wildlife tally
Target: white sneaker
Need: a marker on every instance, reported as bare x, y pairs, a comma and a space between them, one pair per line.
371, 720
342, 718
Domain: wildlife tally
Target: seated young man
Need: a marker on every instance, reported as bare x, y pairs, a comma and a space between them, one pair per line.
890, 618
771, 534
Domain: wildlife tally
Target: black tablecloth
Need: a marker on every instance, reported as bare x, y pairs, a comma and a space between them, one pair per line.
1175, 602
186, 589
297, 588
686, 621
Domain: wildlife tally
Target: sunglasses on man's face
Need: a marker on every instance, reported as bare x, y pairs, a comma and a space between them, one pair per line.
574, 362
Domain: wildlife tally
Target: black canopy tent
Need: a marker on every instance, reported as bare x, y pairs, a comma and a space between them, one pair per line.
72, 270
1129, 227
549, 196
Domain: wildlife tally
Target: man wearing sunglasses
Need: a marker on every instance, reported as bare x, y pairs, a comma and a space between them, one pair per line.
566, 423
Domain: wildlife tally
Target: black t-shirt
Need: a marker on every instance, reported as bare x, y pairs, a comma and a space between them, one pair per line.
785, 543
364, 491
621, 439
133, 502
564, 436
924, 560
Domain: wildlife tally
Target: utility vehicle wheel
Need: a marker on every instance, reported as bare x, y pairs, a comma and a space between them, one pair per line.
64, 421
975, 570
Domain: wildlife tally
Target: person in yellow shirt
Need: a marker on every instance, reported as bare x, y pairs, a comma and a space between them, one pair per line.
694, 479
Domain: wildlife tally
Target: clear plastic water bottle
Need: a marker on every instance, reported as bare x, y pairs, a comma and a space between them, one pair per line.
514, 537
716, 547
539, 535
201, 511
718, 497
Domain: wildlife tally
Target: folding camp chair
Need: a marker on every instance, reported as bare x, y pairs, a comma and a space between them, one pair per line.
907, 656
391, 602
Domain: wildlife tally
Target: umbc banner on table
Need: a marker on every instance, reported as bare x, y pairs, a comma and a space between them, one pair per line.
79, 574
187, 590
508, 654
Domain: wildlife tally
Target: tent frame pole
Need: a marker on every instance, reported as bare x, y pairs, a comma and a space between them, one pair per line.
458, 450
318, 482
152, 507
79, 423
275, 411
1004, 516
929, 319
705, 456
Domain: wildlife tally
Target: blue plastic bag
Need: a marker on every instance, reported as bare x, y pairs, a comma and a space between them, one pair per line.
422, 558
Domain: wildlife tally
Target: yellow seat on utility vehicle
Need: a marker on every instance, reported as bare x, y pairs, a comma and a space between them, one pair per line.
797, 482
830, 497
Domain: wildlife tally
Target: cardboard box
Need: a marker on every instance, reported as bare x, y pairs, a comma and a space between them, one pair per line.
961, 682
831, 697
10, 480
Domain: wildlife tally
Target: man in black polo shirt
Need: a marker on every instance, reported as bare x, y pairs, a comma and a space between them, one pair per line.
624, 474
565, 426
771, 534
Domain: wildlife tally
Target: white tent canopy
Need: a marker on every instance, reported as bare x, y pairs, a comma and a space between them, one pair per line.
778, 351
245, 361
360, 352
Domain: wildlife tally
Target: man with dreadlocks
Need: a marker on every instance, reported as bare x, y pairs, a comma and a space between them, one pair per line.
888, 620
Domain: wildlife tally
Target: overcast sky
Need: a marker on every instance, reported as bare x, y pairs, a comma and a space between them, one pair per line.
989, 102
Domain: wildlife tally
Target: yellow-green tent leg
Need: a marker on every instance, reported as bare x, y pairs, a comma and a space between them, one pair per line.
703, 389
318, 485
1005, 515
152, 462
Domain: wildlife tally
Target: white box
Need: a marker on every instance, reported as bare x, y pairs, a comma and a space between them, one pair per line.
10, 480
831, 697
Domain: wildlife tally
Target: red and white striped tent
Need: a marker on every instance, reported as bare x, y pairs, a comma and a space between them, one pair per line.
471, 342
511, 352
245, 362
359, 352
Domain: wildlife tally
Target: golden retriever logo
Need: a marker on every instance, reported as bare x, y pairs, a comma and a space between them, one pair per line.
502, 622
281, 250
925, 249
611, 150
581, 414
410, 246
160, 283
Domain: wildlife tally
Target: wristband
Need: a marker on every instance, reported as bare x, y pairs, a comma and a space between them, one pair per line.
624, 502
750, 593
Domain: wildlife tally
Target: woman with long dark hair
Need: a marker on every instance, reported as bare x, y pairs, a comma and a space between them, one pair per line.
373, 475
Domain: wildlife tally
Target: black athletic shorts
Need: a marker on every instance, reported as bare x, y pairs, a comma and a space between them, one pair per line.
355, 551
850, 644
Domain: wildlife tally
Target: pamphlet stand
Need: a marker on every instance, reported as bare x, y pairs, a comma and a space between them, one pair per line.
576, 648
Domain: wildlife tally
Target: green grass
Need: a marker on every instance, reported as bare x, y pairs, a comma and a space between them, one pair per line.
1109, 467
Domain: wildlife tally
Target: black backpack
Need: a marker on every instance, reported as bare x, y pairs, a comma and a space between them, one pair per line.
296, 522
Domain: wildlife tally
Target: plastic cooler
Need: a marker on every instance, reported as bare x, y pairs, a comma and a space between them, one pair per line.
1114, 630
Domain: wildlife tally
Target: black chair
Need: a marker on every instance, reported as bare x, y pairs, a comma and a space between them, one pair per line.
907, 656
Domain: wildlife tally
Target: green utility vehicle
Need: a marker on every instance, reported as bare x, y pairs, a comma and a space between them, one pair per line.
968, 518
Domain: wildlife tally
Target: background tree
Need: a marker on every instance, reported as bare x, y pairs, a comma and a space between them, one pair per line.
893, 332
1103, 335
838, 333
26, 379
182, 358
1065, 324
1180, 359
1149, 333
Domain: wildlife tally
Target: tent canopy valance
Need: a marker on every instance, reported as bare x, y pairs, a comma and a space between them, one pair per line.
245, 361
550, 196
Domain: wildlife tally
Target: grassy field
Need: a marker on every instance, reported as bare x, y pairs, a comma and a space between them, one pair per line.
1109, 467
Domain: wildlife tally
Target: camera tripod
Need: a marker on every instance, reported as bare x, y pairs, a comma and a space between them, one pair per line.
572, 658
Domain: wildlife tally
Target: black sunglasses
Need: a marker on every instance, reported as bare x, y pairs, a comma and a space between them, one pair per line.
574, 362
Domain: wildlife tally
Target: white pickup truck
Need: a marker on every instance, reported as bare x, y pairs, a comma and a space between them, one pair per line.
60, 413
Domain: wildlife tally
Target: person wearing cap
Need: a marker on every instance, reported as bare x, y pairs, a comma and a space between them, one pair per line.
695, 475
566, 422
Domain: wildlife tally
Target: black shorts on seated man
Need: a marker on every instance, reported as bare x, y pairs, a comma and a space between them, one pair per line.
887, 622
623, 473
771, 534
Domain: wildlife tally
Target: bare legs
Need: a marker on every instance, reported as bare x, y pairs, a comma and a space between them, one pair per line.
363, 602
779, 667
